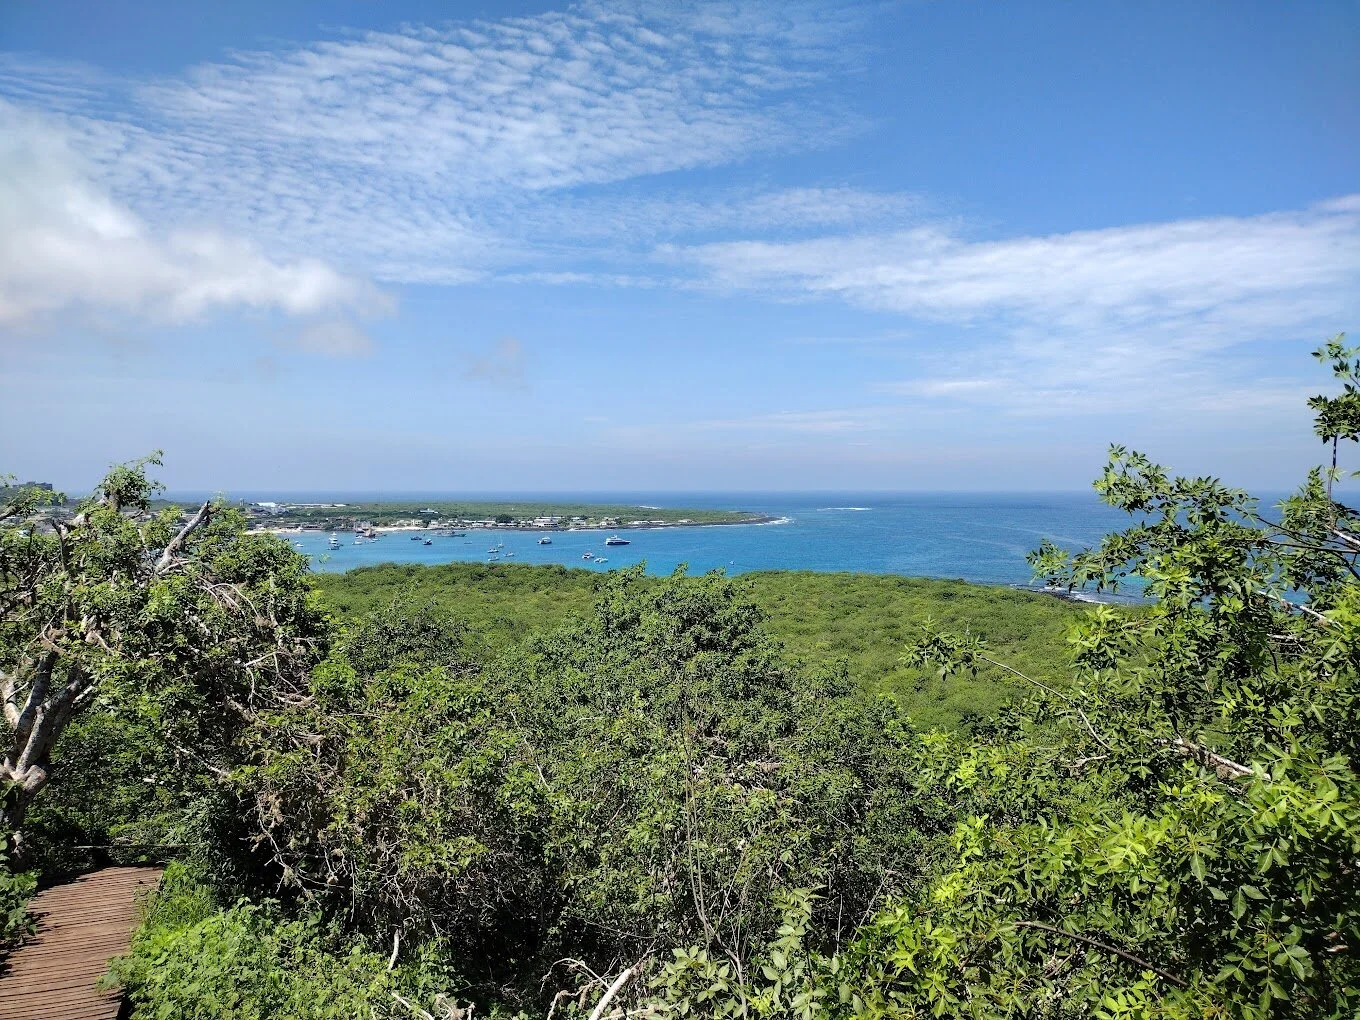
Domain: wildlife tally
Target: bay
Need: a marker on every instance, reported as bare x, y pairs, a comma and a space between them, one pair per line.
970, 536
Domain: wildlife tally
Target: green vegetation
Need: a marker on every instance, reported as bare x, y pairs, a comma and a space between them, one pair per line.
644, 804
861, 620
452, 513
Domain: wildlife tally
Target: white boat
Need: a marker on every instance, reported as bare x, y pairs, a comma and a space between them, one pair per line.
334, 543
615, 540
601, 559
545, 540
587, 555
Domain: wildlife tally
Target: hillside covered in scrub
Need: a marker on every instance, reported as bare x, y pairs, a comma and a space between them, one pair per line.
863, 620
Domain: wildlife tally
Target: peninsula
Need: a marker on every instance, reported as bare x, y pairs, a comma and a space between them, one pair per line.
519, 514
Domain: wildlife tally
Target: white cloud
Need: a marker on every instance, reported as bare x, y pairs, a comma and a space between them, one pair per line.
65, 243
1121, 275
440, 154
525, 150
1070, 322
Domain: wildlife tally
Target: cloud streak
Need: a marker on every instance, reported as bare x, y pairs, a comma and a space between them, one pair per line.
1068, 322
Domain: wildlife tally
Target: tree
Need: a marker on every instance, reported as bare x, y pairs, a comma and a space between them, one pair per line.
190, 625
1174, 831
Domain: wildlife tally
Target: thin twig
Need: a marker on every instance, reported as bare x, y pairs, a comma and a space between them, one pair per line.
1044, 687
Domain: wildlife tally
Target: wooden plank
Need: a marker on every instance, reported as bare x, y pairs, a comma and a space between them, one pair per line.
81, 925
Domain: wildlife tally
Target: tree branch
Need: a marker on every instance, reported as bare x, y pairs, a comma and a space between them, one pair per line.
1296, 605
1177, 981
613, 989
1224, 768
1063, 697
177, 543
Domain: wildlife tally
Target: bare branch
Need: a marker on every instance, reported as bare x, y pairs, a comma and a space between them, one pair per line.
613, 989
1224, 768
1295, 605
1062, 697
1177, 981
177, 543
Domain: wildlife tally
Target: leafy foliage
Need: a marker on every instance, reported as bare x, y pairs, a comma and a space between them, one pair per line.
1167, 828
858, 620
187, 628
654, 773
1194, 849
192, 959
16, 889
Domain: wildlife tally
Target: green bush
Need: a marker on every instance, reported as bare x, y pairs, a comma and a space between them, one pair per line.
192, 959
657, 771
16, 889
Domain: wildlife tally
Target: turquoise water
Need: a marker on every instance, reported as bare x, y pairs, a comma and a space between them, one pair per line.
975, 537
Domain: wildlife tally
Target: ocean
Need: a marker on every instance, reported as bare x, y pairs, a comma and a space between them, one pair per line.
970, 536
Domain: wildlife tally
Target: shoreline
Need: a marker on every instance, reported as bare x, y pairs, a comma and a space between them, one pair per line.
759, 519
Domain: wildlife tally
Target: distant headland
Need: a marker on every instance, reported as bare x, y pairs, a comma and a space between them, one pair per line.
530, 516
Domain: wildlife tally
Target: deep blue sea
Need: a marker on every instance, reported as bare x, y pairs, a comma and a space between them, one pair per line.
972, 536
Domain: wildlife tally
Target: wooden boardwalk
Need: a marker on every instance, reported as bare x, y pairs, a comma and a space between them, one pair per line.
81, 926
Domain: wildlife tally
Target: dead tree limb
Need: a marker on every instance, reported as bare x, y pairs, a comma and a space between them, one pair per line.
614, 989
177, 543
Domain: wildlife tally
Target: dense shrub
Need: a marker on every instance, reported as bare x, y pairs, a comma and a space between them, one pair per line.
654, 773
193, 959
16, 889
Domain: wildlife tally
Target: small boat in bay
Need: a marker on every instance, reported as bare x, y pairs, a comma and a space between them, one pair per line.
545, 540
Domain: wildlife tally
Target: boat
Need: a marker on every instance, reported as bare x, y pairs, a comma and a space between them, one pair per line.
510, 553
429, 541
334, 543
545, 540
615, 540
493, 550
587, 555
298, 545
415, 538
601, 559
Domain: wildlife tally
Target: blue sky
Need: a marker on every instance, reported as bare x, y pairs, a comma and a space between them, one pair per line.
670, 247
